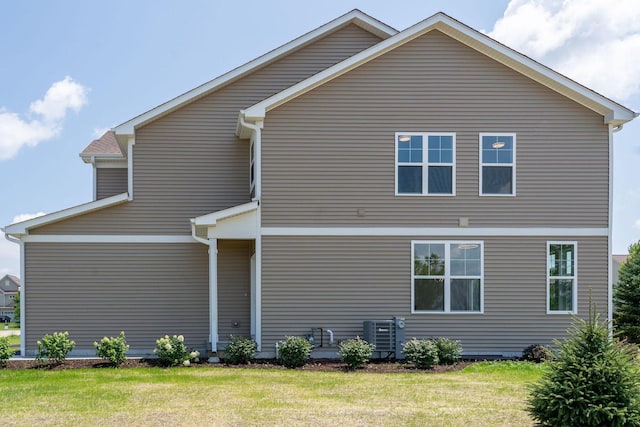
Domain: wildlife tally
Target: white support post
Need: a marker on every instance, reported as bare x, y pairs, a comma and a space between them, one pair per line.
213, 293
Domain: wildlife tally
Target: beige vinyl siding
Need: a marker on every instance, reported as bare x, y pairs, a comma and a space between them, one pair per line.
234, 288
93, 290
338, 282
189, 162
330, 152
110, 182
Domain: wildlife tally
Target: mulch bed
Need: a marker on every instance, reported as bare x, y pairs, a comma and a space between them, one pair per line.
325, 365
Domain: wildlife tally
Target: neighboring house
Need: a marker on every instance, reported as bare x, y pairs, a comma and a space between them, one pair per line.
618, 260
9, 288
356, 173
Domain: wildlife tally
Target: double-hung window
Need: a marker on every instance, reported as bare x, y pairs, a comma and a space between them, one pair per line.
562, 277
498, 164
425, 163
447, 277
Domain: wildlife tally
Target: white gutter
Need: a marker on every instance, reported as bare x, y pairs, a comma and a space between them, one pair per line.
193, 234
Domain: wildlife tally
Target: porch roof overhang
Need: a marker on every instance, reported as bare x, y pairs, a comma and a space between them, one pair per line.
237, 222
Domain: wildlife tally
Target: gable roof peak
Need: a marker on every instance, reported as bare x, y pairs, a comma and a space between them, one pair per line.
614, 113
355, 16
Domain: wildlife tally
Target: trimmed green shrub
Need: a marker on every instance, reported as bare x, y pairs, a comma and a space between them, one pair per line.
449, 351
114, 349
593, 381
294, 352
536, 353
5, 351
171, 351
240, 351
355, 353
422, 353
55, 347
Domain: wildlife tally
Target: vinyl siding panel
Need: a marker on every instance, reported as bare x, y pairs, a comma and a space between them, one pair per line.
189, 162
110, 182
338, 282
331, 151
234, 288
93, 290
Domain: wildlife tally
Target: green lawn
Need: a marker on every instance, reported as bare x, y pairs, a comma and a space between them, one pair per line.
14, 340
484, 394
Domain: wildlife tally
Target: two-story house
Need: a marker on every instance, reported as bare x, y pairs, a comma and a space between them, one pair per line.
9, 288
355, 173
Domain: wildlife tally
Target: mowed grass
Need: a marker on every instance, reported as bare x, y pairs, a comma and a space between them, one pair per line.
14, 340
484, 394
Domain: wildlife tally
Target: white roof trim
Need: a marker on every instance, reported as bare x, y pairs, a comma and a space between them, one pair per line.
613, 112
21, 228
355, 16
212, 218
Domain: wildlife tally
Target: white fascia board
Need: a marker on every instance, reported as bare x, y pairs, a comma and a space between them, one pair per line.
93, 158
613, 112
212, 218
22, 228
434, 231
355, 16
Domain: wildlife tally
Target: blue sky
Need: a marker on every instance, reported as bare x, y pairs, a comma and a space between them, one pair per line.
72, 69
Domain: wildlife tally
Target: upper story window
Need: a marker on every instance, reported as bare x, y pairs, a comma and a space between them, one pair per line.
425, 163
498, 164
561, 277
447, 277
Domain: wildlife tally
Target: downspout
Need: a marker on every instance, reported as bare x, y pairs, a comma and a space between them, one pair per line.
610, 232
257, 144
23, 341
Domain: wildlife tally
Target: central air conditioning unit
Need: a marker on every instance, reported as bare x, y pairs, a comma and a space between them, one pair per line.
387, 335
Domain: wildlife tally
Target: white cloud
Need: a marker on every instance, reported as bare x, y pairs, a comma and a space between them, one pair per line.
587, 40
50, 112
26, 217
636, 224
10, 252
98, 132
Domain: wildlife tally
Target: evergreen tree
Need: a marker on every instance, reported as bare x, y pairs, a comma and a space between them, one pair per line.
594, 381
626, 297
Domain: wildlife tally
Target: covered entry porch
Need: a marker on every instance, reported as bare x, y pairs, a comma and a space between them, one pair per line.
231, 235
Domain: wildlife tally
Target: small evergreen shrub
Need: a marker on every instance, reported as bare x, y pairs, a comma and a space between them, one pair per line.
536, 353
593, 381
422, 353
240, 351
294, 352
55, 347
171, 351
5, 351
114, 349
449, 351
355, 353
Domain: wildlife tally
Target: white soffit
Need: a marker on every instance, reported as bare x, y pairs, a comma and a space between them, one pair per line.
356, 17
613, 112
22, 228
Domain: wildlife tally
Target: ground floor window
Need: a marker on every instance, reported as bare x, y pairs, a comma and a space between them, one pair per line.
447, 277
561, 277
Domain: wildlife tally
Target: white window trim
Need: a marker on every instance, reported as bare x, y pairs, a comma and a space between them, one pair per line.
574, 290
447, 276
425, 164
513, 164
